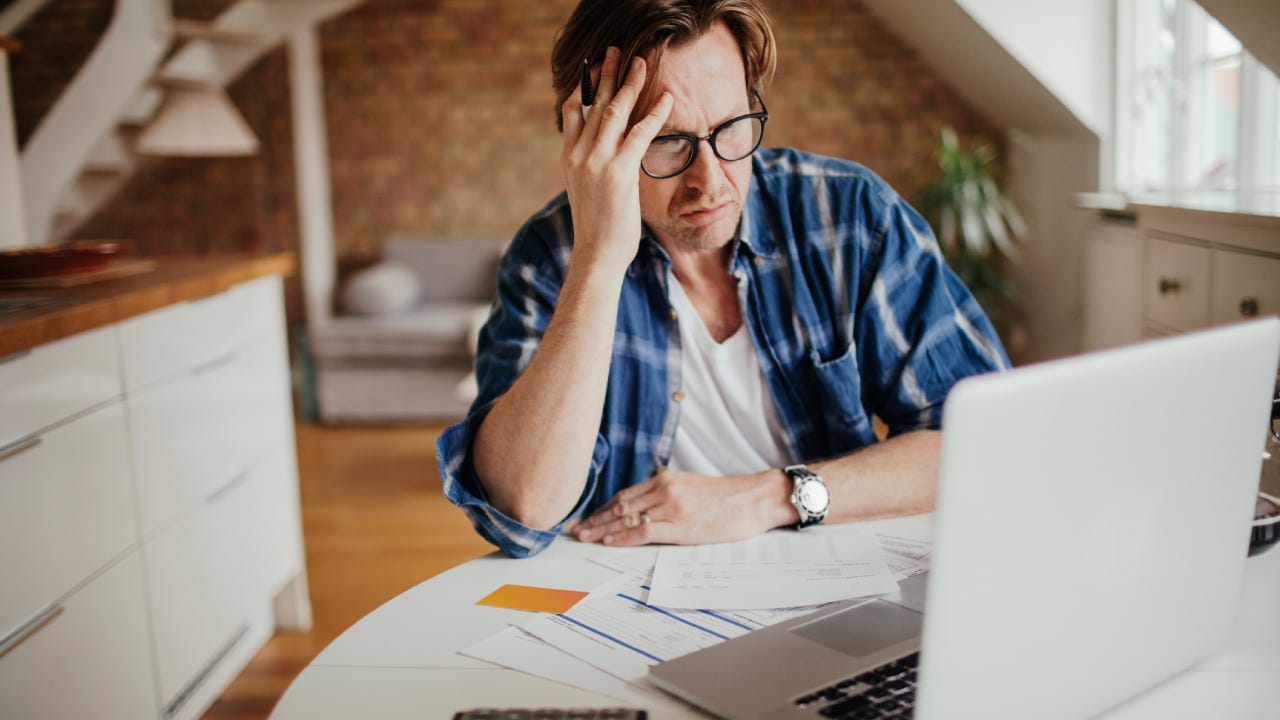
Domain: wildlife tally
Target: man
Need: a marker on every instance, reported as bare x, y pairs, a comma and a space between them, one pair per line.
689, 343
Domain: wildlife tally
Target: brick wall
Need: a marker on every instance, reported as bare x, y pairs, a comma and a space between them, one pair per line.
440, 121
55, 42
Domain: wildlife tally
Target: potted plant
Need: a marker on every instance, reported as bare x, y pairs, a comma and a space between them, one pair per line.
978, 228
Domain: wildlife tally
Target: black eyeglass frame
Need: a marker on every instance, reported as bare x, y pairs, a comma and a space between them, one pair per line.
762, 116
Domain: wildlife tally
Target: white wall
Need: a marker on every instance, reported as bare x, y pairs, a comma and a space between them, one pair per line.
1041, 70
1045, 170
1255, 22
13, 231
1067, 46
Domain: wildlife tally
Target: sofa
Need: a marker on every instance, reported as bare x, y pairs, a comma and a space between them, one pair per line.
402, 345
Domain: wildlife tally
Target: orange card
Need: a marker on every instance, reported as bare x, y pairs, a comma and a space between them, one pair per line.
535, 599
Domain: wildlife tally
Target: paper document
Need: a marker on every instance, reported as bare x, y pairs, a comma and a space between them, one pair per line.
518, 650
905, 556
771, 571
638, 562
615, 631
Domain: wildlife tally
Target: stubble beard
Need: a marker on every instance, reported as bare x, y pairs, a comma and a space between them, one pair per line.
705, 237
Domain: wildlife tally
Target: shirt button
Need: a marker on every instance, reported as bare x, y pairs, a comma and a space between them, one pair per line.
659, 469
757, 261
678, 396
674, 315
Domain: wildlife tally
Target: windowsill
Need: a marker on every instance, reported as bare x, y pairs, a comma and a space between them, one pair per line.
1259, 204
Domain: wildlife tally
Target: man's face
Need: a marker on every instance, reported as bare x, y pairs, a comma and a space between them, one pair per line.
700, 207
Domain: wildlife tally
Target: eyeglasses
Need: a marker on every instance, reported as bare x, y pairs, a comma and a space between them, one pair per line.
732, 140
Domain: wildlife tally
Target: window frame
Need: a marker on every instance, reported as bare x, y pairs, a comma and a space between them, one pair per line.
1256, 147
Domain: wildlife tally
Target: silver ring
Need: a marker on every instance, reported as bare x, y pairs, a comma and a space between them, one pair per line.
644, 517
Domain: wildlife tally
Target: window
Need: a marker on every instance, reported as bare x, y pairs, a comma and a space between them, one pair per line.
1196, 115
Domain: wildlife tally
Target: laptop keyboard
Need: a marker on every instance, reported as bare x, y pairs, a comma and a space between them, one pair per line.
888, 691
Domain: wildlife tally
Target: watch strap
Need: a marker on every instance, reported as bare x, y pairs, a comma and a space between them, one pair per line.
800, 475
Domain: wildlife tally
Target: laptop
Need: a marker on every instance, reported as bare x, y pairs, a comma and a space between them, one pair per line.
1090, 534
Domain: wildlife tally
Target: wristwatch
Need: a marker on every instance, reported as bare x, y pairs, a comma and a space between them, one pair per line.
809, 495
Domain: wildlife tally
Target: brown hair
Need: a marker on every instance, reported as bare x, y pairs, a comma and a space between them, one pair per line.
647, 28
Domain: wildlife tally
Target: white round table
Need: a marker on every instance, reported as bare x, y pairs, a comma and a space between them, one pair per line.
401, 660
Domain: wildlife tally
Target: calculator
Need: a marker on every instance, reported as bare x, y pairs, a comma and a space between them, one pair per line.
551, 714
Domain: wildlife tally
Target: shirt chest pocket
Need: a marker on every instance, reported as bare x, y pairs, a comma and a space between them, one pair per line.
838, 387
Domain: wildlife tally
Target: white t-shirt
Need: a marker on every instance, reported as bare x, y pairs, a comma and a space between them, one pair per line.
728, 421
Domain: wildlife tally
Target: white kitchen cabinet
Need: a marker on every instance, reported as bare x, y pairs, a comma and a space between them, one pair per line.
66, 510
1112, 303
1177, 270
1245, 285
176, 339
50, 383
272, 541
1176, 283
88, 658
212, 441
1204, 268
209, 423
149, 516
197, 586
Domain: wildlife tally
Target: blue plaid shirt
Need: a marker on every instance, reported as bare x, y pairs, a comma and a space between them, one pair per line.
849, 303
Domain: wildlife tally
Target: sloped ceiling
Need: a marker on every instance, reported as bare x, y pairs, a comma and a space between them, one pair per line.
976, 65
1256, 23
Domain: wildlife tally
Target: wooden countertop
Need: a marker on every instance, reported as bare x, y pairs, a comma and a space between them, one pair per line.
176, 278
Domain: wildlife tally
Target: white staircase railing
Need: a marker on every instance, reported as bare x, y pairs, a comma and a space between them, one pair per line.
82, 151
91, 106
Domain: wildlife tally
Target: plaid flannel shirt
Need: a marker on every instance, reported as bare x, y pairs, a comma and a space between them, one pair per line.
850, 306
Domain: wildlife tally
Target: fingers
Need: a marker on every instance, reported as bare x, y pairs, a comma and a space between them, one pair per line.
644, 131
603, 78
613, 103
616, 113
629, 529
607, 83
621, 521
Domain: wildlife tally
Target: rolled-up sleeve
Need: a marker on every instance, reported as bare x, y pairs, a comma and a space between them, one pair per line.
462, 488
529, 280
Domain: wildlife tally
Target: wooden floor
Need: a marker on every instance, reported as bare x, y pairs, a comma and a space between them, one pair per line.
375, 524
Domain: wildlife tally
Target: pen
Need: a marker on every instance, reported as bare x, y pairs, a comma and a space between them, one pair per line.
588, 94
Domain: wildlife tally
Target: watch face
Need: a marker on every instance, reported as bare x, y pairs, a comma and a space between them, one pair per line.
814, 496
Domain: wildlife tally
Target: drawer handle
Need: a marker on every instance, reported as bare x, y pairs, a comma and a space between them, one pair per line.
215, 363
1249, 307
230, 485
18, 446
30, 628
194, 684
1170, 285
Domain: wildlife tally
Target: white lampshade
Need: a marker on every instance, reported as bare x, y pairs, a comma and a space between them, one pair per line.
197, 122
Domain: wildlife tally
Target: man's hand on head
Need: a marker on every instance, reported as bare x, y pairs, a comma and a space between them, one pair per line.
601, 163
686, 509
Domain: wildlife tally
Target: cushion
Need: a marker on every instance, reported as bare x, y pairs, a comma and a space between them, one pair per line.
388, 288
438, 331
450, 269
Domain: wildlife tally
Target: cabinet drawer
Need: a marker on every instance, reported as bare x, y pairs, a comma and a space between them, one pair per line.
90, 659
201, 580
1176, 284
193, 433
55, 381
1244, 286
172, 340
272, 539
66, 509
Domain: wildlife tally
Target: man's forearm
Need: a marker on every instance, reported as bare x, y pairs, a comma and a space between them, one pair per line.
895, 477
533, 450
